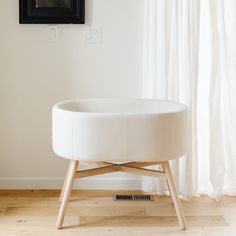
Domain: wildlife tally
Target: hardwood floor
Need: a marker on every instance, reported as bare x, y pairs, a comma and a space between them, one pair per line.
94, 213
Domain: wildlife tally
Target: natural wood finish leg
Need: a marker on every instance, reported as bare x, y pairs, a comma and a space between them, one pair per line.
66, 195
131, 167
141, 171
174, 194
64, 185
97, 171
95, 164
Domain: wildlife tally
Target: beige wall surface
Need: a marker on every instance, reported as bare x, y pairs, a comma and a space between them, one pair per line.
35, 73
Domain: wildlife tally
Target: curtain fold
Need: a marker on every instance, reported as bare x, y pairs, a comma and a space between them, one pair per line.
227, 61
216, 139
170, 72
190, 57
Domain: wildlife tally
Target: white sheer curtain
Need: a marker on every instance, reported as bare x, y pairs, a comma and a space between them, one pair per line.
189, 56
222, 102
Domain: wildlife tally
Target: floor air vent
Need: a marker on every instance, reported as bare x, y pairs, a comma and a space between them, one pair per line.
133, 197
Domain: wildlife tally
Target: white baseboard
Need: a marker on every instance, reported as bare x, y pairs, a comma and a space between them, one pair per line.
56, 183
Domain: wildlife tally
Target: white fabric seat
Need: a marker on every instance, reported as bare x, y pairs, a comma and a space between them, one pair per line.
119, 130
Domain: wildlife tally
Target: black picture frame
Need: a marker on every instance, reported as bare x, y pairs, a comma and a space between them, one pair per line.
74, 13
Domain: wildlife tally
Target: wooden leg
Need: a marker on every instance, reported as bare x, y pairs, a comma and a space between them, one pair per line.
64, 185
66, 195
174, 194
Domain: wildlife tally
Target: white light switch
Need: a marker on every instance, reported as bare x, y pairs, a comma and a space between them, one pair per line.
92, 34
52, 33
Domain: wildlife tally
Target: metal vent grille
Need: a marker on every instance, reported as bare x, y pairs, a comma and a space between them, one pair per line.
133, 197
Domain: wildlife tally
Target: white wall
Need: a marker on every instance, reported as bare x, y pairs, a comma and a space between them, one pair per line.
36, 73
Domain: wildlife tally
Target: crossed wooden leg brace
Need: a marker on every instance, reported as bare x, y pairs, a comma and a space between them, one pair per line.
105, 168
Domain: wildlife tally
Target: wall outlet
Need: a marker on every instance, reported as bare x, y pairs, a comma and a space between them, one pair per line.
52, 33
92, 34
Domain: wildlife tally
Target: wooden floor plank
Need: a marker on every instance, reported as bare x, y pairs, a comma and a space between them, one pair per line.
26, 213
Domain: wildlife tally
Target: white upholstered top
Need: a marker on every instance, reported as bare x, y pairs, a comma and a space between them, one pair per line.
119, 130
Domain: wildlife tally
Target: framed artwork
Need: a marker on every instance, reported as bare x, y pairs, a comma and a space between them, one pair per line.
52, 11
